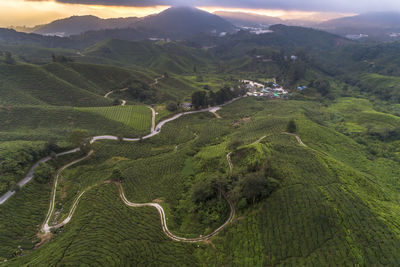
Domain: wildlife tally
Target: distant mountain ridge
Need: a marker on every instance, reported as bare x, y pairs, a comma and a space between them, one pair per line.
248, 19
79, 24
378, 25
363, 21
184, 21
176, 22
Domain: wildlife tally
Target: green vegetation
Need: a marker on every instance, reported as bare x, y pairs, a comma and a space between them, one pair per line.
136, 117
44, 173
328, 194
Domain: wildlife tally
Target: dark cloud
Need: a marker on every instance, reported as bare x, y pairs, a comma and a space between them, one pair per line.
305, 5
138, 3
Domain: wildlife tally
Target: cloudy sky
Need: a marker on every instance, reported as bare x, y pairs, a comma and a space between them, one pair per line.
32, 12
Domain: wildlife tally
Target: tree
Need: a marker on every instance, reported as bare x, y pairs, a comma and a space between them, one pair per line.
322, 86
199, 99
202, 191
51, 146
256, 186
207, 87
291, 126
9, 58
78, 137
172, 106
117, 175
43, 173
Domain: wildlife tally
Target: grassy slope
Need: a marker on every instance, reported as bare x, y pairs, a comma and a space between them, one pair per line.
45, 122
161, 57
30, 84
330, 209
136, 117
90, 240
72, 84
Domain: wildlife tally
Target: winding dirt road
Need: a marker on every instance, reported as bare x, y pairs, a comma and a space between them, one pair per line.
46, 228
156, 80
164, 220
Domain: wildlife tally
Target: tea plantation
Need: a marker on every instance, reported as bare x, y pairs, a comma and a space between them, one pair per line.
330, 202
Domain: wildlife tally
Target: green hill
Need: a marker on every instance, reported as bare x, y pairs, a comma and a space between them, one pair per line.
71, 84
30, 84
336, 203
158, 56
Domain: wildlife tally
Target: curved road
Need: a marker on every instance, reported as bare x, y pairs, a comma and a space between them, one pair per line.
29, 176
164, 221
46, 228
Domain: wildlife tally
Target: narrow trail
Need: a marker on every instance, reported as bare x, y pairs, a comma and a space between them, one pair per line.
297, 137
30, 175
214, 111
164, 220
156, 80
45, 227
154, 132
123, 102
153, 119
228, 158
259, 140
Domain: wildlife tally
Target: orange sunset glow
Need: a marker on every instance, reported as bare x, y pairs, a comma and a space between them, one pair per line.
30, 13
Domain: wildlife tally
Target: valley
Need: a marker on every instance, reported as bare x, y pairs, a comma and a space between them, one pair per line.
147, 146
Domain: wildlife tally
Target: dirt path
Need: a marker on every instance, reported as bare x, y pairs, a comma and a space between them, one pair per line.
156, 80
259, 140
155, 131
123, 102
214, 111
30, 175
228, 158
164, 220
45, 227
153, 119
297, 138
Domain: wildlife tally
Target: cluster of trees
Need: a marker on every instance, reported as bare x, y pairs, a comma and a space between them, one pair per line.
81, 139
323, 86
61, 59
256, 186
43, 173
8, 58
202, 99
384, 134
141, 91
13, 165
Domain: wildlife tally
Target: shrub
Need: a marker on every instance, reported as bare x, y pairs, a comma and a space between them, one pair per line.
43, 173
172, 106
291, 127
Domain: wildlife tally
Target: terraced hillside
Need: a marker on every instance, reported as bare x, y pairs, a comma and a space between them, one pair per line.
158, 56
70, 84
322, 206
